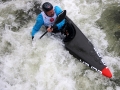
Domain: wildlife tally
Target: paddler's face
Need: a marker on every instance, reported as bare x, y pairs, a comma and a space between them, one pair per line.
50, 13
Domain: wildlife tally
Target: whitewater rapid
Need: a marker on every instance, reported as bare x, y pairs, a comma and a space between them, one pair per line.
44, 64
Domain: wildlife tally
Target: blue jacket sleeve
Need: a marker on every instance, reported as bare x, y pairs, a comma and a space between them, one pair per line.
58, 11
38, 24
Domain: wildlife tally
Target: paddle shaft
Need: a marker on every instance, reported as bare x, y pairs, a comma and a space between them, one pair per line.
43, 34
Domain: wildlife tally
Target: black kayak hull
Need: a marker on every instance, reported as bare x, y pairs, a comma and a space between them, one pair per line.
82, 49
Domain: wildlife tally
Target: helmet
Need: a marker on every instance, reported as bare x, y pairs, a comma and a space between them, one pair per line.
47, 6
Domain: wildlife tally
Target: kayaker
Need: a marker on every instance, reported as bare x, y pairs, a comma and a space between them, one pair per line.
47, 18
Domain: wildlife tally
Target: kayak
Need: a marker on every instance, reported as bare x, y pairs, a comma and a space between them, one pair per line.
82, 49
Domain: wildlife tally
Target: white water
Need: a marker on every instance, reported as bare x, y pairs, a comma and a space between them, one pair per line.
44, 64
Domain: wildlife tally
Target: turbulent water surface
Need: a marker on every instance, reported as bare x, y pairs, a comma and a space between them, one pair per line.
44, 64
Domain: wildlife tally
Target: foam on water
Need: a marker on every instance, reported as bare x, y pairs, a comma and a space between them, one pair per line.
44, 64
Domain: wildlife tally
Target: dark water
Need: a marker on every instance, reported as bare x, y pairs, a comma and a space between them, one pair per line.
110, 24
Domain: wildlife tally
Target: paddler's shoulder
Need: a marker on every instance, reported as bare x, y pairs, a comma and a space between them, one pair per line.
57, 10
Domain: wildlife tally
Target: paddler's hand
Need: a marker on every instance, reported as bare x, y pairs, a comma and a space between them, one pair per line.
32, 37
49, 29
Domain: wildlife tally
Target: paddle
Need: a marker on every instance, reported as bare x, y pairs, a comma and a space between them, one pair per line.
60, 17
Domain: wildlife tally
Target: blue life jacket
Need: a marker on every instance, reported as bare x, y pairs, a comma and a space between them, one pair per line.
40, 21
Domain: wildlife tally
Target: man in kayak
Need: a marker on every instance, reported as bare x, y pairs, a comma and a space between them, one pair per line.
47, 18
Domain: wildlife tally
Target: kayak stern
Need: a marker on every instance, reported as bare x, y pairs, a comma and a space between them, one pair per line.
106, 72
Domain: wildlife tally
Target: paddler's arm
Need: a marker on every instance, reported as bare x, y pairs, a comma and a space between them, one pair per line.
37, 26
58, 10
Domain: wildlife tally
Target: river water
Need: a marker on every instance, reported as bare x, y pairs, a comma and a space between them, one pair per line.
44, 64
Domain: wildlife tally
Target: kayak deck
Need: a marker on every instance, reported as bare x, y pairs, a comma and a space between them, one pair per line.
82, 49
